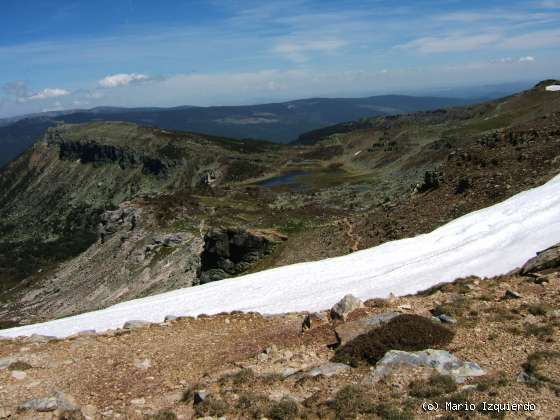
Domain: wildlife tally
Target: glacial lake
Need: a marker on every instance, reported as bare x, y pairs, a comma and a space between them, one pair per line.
288, 179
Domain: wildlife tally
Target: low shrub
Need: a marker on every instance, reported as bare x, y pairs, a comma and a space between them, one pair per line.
538, 309
238, 378
253, 405
211, 406
404, 332
162, 415
541, 331
434, 386
286, 409
352, 400
537, 364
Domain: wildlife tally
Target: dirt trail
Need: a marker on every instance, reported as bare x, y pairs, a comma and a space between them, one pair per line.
352, 235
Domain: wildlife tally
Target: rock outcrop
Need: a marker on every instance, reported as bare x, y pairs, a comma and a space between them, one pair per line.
228, 252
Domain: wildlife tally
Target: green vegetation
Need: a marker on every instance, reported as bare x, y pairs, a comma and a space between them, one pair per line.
211, 406
538, 367
162, 415
405, 332
286, 409
353, 400
434, 386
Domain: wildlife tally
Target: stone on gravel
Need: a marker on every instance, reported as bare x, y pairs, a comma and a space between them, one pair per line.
5, 413
442, 361
314, 320
142, 364
346, 305
328, 369
40, 404
549, 258
19, 375
138, 401
135, 324
446, 319
512, 294
5, 362
66, 401
348, 331
36, 338
200, 396
89, 412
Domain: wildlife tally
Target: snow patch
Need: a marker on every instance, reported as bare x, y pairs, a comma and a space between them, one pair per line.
487, 242
553, 88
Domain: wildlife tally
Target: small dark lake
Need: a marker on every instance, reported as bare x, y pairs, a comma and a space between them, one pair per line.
287, 178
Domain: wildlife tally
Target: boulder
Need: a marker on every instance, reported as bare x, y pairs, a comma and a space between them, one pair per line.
36, 338
142, 364
512, 294
135, 324
328, 369
348, 331
346, 305
440, 360
547, 259
44, 404
19, 375
313, 320
200, 396
446, 319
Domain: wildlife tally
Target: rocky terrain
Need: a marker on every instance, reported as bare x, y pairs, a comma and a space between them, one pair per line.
482, 342
95, 214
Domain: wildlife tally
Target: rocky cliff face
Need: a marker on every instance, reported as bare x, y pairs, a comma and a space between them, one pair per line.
228, 252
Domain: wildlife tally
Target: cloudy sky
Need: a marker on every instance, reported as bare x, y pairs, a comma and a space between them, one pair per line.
63, 54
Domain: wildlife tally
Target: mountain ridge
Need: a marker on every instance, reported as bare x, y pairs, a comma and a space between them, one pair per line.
280, 121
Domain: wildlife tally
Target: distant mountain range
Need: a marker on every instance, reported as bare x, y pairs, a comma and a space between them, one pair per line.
277, 122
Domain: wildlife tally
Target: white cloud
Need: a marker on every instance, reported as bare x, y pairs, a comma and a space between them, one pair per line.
295, 50
549, 4
122, 79
451, 43
527, 59
47, 94
538, 39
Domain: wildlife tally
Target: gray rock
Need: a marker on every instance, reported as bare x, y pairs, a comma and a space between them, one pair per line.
142, 364
135, 324
442, 361
7, 361
170, 318
289, 372
314, 319
19, 375
200, 396
512, 294
328, 369
348, 331
549, 258
66, 401
138, 401
89, 411
40, 404
36, 338
346, 305
446, 319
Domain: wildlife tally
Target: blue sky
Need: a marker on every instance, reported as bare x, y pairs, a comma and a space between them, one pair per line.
61, 54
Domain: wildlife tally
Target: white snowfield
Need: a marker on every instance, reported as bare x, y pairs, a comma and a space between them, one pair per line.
487, 242
553, 88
